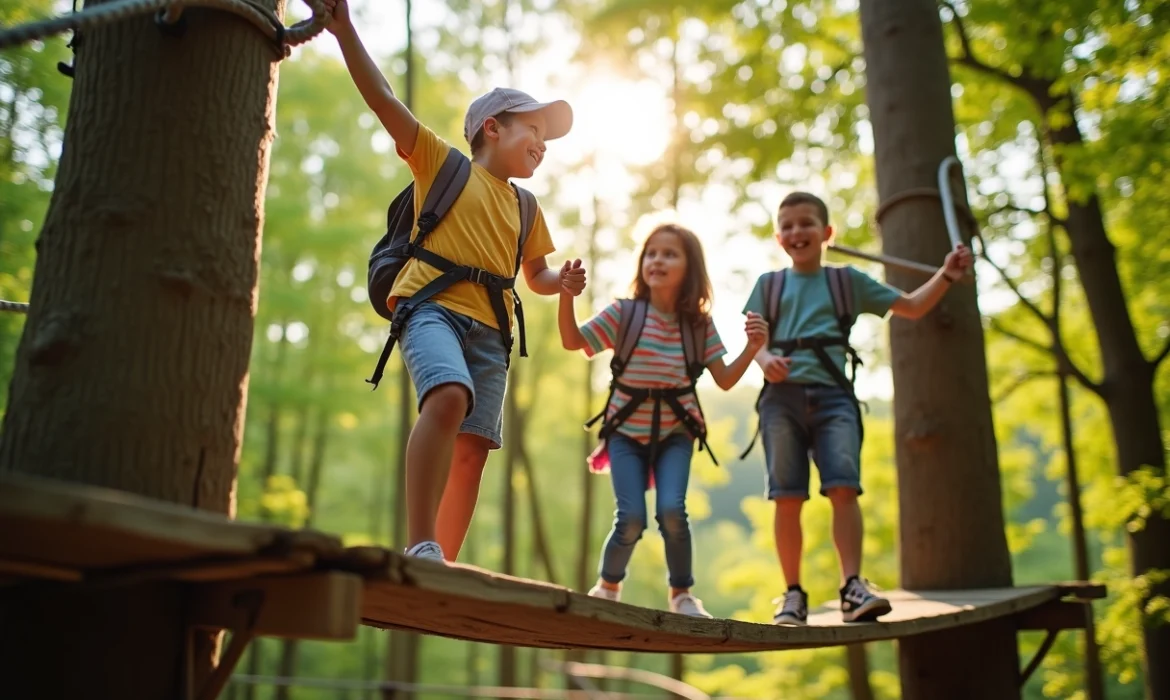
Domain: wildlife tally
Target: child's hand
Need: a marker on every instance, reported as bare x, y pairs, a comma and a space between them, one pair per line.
776, 368
572, 278
757, 330
957, 262
339, 10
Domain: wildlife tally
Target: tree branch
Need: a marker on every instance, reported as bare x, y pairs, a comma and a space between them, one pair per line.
1043, 317
1046, 212
967, 57
1037, 88
1057, 352
1160, 356
1020, 380
1022, 339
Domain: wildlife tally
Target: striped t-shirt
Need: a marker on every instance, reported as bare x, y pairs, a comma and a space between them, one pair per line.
658, 362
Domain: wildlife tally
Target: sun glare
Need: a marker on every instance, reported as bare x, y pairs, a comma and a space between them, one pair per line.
618, 118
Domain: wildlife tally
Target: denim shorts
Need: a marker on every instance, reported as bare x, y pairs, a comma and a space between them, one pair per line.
444, 347
802, 420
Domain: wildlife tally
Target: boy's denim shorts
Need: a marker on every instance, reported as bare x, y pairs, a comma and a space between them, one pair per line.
802, 420
441, 346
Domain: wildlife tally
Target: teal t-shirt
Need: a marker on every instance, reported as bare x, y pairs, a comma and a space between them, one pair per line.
806, 309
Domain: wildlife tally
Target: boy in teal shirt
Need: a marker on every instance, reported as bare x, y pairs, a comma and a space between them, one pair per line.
808, 404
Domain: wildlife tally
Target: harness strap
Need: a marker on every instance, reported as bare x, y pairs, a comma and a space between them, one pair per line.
639, 395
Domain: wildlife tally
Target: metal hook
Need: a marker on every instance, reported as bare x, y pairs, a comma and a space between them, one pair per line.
948, 199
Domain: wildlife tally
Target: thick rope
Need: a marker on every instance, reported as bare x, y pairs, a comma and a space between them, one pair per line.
13, 306
261, 17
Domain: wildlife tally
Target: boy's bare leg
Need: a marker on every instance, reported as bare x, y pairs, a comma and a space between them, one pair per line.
789, 537
461, 493
428, 457
847, 530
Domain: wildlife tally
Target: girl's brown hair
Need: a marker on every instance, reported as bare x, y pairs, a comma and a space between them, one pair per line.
694, 299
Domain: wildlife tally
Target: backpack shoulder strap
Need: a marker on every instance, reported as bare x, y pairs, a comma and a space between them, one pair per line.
841, 289
773, 294
632, 317
445, 189
528, 208
694, 342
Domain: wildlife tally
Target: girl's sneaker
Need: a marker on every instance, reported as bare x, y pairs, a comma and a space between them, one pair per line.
426, 550
792, 610
859, 604
687, 604
600, 591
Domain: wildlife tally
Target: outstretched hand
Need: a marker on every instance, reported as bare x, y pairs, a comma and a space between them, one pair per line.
572, 278
757, 330
339, 11
957, 262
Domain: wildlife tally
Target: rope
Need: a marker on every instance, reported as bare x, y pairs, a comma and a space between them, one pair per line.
13, 306
261, 17
918, 193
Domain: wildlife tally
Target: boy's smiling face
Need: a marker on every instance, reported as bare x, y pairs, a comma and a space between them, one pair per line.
802, 235
519, 144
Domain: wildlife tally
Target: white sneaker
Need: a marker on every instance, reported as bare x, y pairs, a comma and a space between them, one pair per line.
600, 591
426, 550
687, 604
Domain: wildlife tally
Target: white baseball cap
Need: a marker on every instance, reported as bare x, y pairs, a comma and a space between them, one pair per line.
558, 114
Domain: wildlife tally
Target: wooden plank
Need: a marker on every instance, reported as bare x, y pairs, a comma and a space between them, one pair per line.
24, 569
1056, 615
468, 603
324, 605
73, 526
1083, 590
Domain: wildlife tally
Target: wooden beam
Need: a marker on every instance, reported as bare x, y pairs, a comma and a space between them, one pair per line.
1083, 590
1056, 615
324, 605
82, 527
468, 603
29, 569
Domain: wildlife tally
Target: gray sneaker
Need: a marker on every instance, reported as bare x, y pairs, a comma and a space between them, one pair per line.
859, 604
792, 610
426, 550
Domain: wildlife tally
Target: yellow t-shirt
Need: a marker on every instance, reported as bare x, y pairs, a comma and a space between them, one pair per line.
481, 229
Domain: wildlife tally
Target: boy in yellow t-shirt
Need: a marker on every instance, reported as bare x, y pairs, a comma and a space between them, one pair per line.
453, 345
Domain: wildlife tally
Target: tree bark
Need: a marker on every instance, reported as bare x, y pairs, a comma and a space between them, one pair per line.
951, 515
132, 369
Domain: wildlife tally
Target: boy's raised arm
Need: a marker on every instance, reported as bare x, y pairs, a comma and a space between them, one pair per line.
918, 303
375, 90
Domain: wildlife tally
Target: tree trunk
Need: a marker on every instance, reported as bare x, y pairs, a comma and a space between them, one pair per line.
951, 515
858, 663
1094, 679
1128, 385
288, 652
137, 344
507, 658
402, 647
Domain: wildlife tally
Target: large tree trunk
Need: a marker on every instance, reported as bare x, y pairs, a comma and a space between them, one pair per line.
132, 370
951, 515
1128, 385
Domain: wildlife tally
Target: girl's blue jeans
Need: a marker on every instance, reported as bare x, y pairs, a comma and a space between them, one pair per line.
629, 468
